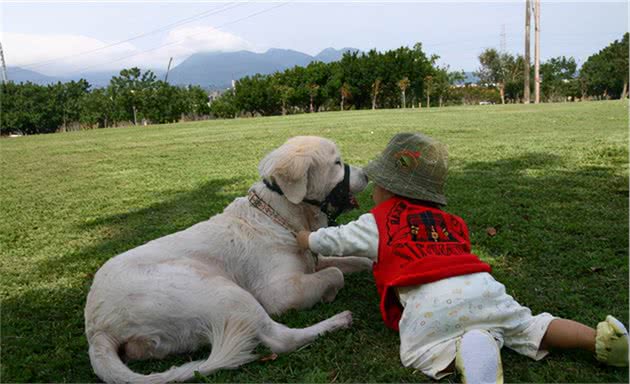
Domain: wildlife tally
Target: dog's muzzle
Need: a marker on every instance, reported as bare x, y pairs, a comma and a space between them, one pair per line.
339, 200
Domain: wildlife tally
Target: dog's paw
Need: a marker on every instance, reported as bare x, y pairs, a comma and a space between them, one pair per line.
343, 319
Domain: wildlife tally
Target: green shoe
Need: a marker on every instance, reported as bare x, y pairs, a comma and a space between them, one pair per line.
478, 359
611, 343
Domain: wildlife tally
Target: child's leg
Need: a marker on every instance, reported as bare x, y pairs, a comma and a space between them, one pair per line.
609, 342
478, 359
563, 333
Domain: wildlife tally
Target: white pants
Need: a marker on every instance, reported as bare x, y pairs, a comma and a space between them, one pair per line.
437, 314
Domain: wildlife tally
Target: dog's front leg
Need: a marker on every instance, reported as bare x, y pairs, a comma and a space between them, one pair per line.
347, 264
300, 291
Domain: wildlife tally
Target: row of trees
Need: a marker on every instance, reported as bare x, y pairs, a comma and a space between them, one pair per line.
133, 97
407, 77
391, 79
603, 75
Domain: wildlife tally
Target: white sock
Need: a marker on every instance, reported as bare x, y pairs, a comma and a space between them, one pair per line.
478, 358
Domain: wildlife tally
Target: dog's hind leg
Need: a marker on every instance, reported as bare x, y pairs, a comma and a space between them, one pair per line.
280, 338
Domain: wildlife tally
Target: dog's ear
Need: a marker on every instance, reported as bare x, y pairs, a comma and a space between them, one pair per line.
288, 168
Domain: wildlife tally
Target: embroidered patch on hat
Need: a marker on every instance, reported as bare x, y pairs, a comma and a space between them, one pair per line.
407, 160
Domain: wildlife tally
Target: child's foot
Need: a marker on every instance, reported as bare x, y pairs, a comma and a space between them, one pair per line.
611, 343
478, 358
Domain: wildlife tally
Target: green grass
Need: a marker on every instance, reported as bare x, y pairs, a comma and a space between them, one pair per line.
552, 179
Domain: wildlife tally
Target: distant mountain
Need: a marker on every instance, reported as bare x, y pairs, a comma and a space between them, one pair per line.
329, 55
96, 79
20, 75
214, 70
288, 57
218, 69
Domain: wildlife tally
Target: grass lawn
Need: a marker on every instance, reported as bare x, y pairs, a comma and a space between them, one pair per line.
551, 179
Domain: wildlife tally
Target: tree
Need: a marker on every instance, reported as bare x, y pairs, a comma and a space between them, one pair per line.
513, 76
403, 84
558, 75
317, 76
68, 98
605, 74
225, 106
501, 70
443, 81
197, 101
312, 93
127, 91
97, 108
256, 94
29, 108
285, 95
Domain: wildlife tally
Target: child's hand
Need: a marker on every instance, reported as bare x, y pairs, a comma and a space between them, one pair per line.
302, 239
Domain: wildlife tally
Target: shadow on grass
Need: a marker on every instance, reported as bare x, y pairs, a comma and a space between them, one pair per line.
562, 233
128, 230
43, 332
561, 244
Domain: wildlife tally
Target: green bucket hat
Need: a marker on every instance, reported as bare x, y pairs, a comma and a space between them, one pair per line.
412, 165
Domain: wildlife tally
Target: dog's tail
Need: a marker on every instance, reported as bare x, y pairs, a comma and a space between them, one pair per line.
232, 343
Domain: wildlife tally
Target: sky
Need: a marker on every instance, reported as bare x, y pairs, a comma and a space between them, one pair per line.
57, 38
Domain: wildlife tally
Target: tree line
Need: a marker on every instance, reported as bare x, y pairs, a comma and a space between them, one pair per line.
604, 75
391, 79
401, 78
133, 97
407, 77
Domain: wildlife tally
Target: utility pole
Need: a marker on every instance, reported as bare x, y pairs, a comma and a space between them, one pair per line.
537, 51
528, 6
168, 69
3, 77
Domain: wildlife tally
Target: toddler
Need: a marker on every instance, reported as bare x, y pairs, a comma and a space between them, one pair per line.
450, 312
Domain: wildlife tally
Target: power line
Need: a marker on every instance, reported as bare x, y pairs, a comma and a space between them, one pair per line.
183, 40
187, 20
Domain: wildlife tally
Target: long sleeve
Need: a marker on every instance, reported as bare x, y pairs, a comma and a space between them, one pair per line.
357, 238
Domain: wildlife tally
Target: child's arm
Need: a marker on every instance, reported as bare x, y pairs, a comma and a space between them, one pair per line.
302, 239
357, 238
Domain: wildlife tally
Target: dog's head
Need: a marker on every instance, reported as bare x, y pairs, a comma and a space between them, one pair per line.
308, 168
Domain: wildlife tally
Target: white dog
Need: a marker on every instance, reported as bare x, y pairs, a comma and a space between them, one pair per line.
217, 281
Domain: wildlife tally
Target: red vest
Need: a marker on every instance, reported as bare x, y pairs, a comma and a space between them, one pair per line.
418, 245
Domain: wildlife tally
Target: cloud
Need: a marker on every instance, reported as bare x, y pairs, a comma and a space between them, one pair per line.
61, 54
22, 49
183, 42
202, 38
